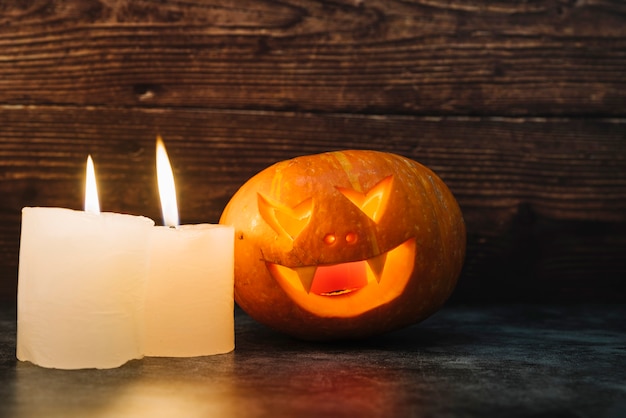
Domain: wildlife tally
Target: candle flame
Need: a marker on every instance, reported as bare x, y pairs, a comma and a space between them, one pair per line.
92, 204
167, 189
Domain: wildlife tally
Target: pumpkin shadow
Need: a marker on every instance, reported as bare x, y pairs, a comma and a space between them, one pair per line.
364, 377
429, 334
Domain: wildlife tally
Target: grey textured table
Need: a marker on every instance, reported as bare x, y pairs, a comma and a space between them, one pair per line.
515, 361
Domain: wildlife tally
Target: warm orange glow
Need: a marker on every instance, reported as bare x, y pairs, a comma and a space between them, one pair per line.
374, 202
92, 203
284, 220
372, 282
167, 188
339, 279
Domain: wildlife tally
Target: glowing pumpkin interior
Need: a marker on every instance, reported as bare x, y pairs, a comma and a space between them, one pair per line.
341, 289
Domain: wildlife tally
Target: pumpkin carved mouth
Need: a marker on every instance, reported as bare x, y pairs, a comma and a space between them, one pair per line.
339, 279
333, 279
362, 285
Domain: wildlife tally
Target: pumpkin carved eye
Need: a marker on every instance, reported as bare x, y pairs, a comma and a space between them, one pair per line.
284, 220
374, 202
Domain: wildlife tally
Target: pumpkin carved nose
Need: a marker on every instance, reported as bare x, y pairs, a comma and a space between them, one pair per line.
350, 238
329, 239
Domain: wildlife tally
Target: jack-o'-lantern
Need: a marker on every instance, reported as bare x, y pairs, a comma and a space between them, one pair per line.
344, 244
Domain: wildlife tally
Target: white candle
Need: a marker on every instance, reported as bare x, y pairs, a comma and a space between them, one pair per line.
81, 278
98, 289
189, 305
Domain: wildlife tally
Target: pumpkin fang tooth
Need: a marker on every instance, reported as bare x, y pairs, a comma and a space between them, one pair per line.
302, 276
306, 275
377, 265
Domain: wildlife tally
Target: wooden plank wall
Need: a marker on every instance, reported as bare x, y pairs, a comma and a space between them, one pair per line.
519, 106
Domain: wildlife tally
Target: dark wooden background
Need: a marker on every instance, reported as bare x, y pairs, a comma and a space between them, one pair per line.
519, 106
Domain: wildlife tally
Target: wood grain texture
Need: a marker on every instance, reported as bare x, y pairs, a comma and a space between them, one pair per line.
429, 57
544, 199
519, 106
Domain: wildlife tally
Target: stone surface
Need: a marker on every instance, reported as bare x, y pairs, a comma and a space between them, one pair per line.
515, 361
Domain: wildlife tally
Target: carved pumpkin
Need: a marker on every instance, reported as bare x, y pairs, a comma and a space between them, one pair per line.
344, 244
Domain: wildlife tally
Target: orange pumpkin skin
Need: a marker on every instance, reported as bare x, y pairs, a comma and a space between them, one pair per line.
301, 224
